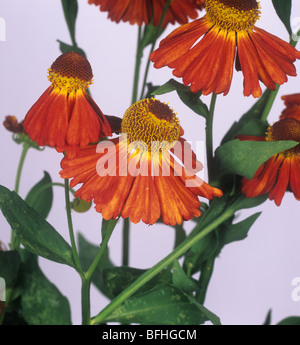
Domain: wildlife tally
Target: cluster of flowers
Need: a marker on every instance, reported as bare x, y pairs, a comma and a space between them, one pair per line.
203, 53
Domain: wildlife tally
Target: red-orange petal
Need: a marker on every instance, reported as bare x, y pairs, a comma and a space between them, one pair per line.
178, 42
264, 178
248, 61
282, 183
46, 122
295, 177
142, 202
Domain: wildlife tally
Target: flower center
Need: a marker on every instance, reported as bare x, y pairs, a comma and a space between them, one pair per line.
233, 15
70, 72
286, 129
152, 123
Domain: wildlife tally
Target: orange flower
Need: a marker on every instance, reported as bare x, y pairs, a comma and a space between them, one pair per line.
204, 51
65, 116
137, 174
143, 11
282, 171
292, 103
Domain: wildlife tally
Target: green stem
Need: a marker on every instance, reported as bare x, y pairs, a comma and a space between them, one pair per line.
209, 135
269, 104
273, 94
14, 243
26, 146
126, 228
293, 41
70, 225
85, 301
144, 278
87, 277
153, 45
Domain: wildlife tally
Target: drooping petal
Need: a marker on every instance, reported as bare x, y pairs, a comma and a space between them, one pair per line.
47, 120
222, 81
144, 11
84, 125
172, 207
282, 183
202, 52
264, 179
292, 103
142, 202
248, 61
295, 176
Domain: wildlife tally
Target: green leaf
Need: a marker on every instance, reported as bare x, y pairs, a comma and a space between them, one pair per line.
206, 270
242, 202
290, 321
151, 33
67, 48
215, 320
169, 86
163, 305
201, 251
40, 197
33, 231
238, 231
42, 302
249, 123
70, 8
9, 267
181, 280
87, 253
254, 127
190, 99
117, 279
283, 9
245, 157
267, 321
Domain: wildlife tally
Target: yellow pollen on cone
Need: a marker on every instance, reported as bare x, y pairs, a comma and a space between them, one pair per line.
151, 122
233, 15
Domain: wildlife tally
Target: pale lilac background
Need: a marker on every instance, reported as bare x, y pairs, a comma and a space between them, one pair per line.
251, 276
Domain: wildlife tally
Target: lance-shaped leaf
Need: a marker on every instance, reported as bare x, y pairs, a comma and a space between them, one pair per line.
181, 280
163, 305
245, 157
33, 231
40, 196
117, 279
9, 267
190, 99
250, 123
238, 231
42, 302
70, 8
283, 9
67, 48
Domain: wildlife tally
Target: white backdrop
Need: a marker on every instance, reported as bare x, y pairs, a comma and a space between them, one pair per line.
250, 277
